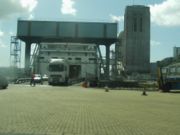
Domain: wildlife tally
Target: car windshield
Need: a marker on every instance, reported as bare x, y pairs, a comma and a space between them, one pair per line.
37, 75
56, 67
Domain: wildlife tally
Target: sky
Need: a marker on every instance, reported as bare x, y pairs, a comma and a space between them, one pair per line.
165, 22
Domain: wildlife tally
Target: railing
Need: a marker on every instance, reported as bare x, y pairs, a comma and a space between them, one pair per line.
34, 55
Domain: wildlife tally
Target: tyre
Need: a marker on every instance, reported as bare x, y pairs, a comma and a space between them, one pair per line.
49, 83
4, 87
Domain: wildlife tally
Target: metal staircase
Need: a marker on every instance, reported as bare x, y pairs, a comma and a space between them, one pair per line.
15, 52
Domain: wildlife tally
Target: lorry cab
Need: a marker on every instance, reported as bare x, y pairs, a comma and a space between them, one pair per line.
58, 71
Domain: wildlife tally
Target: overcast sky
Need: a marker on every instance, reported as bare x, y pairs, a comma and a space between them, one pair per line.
165, 22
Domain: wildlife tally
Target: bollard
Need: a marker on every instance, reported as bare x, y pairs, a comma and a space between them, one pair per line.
106, 89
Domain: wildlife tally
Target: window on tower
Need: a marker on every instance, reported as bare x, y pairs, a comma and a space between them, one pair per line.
141, 24
135, 24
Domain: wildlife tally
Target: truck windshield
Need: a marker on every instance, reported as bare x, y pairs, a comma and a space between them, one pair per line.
56, 67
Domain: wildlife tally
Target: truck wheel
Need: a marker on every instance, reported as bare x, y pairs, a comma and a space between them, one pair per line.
69, 82
4, 87
49, 83
66, 83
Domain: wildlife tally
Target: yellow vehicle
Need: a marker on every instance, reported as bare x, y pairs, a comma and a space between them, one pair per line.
169, 77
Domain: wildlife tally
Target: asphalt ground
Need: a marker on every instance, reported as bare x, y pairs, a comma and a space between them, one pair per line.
74, 110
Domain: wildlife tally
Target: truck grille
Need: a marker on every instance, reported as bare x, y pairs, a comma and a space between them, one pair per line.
56, 78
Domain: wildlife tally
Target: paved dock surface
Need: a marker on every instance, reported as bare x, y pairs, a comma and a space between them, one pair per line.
73, 110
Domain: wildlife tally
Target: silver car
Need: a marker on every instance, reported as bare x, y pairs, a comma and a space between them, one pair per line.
38, 78
3, 82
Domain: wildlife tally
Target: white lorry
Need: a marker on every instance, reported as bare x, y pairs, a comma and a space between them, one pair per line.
62, 72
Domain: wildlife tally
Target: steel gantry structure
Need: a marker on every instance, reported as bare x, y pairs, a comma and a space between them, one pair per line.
98, 33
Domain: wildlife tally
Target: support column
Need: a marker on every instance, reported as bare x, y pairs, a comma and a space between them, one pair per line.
107, 61
27, 57
101, 58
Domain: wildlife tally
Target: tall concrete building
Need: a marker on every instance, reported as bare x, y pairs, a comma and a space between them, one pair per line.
134, 41
176, 52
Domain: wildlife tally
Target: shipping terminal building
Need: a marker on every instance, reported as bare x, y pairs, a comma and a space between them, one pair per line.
132, 46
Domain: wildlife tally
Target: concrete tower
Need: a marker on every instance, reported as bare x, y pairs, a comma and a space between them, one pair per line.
136, 39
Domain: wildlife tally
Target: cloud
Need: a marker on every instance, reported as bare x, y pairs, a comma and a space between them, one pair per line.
166, 13
29, 4
2, 45
155, 43
30, 17
1, 33
10, 7
11, 33
67, 7
115, 18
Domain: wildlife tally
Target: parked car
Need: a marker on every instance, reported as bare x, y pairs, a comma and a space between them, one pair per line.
38, 78
45, 77
3, 82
